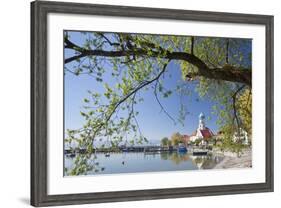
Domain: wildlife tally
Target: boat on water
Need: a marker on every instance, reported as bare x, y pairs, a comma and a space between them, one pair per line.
107, 154
182, 149
125, 150
200, 152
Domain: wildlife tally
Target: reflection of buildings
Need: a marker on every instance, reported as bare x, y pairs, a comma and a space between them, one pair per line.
203, 133
198, 161
206, 162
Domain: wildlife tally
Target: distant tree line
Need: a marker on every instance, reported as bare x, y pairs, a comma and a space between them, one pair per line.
175, 139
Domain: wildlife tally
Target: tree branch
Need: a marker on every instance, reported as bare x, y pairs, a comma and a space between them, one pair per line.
192, 45
226, 73
160, 104
108, 41
122, 100
227, 51
234, 108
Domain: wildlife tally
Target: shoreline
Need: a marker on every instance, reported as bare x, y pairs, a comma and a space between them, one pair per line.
232, 161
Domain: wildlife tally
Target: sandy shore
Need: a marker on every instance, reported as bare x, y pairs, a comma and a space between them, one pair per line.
232, 161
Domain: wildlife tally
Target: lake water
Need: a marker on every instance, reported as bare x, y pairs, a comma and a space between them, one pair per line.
131, 162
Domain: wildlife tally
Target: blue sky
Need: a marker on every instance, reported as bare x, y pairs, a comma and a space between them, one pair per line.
154, 124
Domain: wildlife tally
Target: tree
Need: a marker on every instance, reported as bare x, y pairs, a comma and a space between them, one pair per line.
244, 109
176, 138
130, 47
165, 141
220, 68
169, 143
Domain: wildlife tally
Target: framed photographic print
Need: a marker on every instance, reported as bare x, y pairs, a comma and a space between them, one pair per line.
131, 103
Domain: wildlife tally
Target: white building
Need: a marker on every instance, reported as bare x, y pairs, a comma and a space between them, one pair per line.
203, 133
243, 137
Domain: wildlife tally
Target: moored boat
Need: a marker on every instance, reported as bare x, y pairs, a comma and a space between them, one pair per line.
200, 152
182, 148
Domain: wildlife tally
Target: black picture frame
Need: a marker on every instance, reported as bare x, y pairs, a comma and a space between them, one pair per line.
39, 98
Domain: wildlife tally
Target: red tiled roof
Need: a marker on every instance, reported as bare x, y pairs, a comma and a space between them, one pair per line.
206, 133
185, 137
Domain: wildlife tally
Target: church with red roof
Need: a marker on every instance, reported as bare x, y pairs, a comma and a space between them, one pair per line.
202, 133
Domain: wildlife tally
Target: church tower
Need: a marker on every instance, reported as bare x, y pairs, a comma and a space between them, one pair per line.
201, 125
202, 133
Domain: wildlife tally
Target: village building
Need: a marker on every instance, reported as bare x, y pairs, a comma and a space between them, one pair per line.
243, 137
202, 134
185, 139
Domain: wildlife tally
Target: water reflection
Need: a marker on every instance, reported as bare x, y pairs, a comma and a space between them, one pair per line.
176, 157
202, 162
206, 161
144, 162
